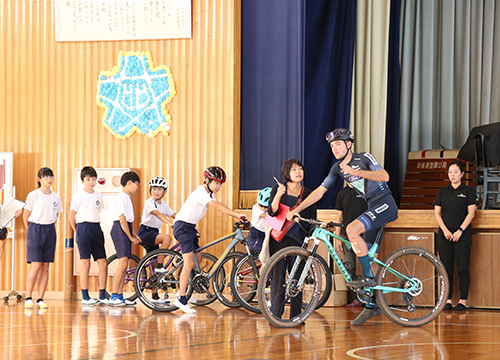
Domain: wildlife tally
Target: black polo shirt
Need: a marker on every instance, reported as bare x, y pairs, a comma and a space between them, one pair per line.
454, 203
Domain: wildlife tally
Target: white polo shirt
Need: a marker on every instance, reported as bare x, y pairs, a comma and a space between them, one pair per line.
123, 206
195, 206
87, 206
151, 220
44, 208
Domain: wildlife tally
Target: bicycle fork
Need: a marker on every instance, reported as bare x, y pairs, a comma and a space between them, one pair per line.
291, 288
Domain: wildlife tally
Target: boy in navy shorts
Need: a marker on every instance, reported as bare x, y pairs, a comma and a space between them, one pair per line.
192, 211
84, 217
123, 235
155, 213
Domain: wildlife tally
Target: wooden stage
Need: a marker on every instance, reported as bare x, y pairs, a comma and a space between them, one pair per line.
68, 331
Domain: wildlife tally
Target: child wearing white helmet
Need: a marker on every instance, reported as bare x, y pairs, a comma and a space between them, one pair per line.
155, 213
256, 234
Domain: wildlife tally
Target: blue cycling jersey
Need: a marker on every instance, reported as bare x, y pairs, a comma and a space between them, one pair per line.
368, 189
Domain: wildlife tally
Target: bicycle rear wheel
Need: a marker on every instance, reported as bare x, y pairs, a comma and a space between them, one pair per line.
422, 305
165, 285
244, 280
289, 305
128, 287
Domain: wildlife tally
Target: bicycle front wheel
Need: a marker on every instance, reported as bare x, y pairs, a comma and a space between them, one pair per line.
128, 287
326, 281
282, 301
425, 303
244, 280
156, 290
222, 278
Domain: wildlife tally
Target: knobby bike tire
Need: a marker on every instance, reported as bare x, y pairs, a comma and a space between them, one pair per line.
275, 306
128, 288
166, 285
425, 303
326, 281
244, 280
222, 278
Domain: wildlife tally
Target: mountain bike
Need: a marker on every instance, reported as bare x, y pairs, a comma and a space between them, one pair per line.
412, 284
209, 280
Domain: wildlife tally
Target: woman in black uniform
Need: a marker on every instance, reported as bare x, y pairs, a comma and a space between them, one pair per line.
454, 208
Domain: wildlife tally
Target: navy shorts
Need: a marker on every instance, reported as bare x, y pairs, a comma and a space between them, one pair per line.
186, 235
148, 237
380, 212
255, 239
90, 240
123, 245
40, 243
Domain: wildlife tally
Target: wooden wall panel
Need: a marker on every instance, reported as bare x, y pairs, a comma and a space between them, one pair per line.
49, 116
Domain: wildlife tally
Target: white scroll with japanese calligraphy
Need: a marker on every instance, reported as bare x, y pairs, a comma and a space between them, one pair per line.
105, 20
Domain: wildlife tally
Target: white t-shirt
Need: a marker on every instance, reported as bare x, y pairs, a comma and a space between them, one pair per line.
44, 208
195, 206
151, 220
257, 221
87, 206
123, 206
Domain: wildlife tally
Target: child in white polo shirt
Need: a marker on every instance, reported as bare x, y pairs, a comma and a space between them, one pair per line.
84, 217
40, 215
123, 235
192, 211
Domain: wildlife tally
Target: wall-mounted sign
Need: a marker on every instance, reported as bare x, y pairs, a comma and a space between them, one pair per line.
103, 20
135, 96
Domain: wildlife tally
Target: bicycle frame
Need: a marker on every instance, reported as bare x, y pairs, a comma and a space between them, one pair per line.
237, 236
322, 235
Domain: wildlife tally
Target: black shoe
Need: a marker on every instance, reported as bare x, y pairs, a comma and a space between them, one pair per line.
447, 306
366, 315
459, 307
362, 281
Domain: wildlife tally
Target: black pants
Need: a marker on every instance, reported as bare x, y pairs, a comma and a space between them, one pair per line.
278, 279
459, 252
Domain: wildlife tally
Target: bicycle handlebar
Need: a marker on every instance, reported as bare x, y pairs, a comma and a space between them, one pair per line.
244, 224
316, 222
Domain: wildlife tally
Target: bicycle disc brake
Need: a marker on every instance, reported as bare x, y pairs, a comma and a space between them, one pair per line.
291, 289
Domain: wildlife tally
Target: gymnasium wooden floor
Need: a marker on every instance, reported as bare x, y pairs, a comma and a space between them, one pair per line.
68, 331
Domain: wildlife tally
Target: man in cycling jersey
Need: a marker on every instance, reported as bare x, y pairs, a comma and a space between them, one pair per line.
369, 178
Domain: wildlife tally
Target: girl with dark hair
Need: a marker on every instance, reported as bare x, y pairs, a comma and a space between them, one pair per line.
454, 209
40, 215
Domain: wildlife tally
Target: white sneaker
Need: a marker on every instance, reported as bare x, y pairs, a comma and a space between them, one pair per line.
104, 301
161, 270
130, 303
116, 302
42, 305
191, 300
185, 308
90, 302
28, 304
160, 301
